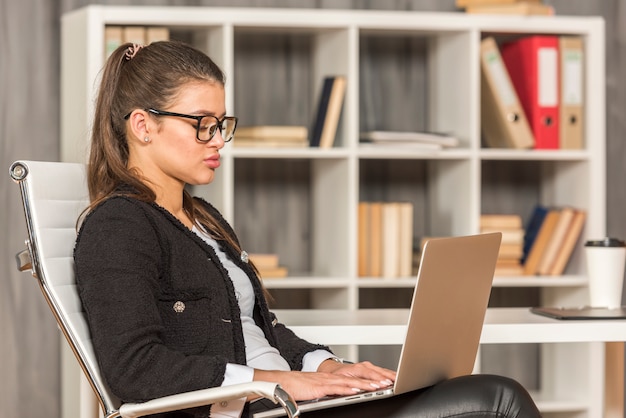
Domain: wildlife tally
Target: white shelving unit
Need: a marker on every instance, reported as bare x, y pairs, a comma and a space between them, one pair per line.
449, 185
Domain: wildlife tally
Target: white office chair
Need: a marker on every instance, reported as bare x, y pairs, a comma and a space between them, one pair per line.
54, 195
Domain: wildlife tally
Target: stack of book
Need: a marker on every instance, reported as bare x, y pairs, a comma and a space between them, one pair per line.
115, 36
511, 248
385, 243
551, 237
271, 136
517, 7
268, 265
410, 140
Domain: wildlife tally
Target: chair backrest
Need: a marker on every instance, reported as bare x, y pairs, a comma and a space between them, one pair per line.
54, 196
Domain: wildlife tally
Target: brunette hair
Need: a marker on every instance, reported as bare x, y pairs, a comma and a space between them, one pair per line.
139, 77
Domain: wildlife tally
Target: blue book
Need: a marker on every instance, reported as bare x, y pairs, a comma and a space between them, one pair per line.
322, 108
532, 229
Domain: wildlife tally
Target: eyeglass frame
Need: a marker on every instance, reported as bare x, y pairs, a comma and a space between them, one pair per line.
219, 125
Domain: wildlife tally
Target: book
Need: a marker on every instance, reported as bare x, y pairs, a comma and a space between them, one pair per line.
241, 142
510, 252
532, 64
390, 242
509, 236
335, 105
329, 108
376, 239
464, 3
263, 260
275, 132
566, 215
405, 238
364, 238
134, 34
568, 243
531, 264
113, 38
278, 272
157, 33
409, 146
512, 270
532, 229
267, 264
498, 222
508, 267
407, 138
520, 8
320, 114
502, 118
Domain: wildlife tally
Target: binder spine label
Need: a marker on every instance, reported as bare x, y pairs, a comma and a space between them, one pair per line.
501, 79
572, 83
548, 82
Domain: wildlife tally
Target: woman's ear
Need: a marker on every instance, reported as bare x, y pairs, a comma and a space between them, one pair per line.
139, 125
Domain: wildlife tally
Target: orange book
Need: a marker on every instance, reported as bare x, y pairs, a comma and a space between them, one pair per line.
497, 222
262, 261
510, 251
569, 243
157, 33
465, 3
539, 245
278, 272
524, 9
376, 239
556, 241
364, 237
391, 242
405, 237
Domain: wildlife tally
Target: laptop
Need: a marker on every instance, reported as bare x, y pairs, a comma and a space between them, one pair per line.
445, 320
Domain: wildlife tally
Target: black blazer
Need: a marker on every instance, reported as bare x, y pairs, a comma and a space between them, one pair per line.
160, 306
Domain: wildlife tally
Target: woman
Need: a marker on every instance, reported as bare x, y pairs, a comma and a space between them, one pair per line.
171, 301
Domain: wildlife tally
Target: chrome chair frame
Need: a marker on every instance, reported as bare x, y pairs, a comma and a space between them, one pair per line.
53, 196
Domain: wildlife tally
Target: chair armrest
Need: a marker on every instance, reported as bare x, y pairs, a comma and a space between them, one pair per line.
211, 396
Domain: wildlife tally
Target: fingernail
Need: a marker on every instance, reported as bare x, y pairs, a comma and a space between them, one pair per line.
374, 385
386, 382
356, 390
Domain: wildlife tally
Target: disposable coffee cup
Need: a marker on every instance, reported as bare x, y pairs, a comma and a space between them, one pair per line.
606, 259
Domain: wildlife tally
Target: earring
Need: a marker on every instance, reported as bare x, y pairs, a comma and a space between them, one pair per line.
146, 139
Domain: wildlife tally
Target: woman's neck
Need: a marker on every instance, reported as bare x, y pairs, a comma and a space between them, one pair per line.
171, 199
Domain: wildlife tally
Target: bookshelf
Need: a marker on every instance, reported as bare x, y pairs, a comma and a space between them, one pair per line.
308, 198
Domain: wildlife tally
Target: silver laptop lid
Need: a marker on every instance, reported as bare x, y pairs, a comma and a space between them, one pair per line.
448, 310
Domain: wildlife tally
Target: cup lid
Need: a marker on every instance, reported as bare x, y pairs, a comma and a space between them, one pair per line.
606, 242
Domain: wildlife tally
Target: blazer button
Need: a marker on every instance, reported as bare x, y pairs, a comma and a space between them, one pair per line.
179, 307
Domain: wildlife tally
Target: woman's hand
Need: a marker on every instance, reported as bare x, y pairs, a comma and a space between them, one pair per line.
330, 379
378, 376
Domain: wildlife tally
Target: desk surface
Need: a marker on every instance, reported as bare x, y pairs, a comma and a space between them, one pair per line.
388, 327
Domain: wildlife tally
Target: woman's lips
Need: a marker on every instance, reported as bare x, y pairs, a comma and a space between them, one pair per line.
213, 161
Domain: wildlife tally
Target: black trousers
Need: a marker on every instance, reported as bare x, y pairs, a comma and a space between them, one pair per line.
476, 396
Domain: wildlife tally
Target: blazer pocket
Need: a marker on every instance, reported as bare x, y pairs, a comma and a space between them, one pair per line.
186, 323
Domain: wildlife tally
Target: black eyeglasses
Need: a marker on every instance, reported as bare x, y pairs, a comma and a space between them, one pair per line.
207, 125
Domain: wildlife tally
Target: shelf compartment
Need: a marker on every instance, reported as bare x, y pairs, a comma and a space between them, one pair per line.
516, 187
304, 207
437, 188
284, 68
429, 92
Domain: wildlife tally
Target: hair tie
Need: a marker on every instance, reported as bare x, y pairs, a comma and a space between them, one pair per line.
131, 51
